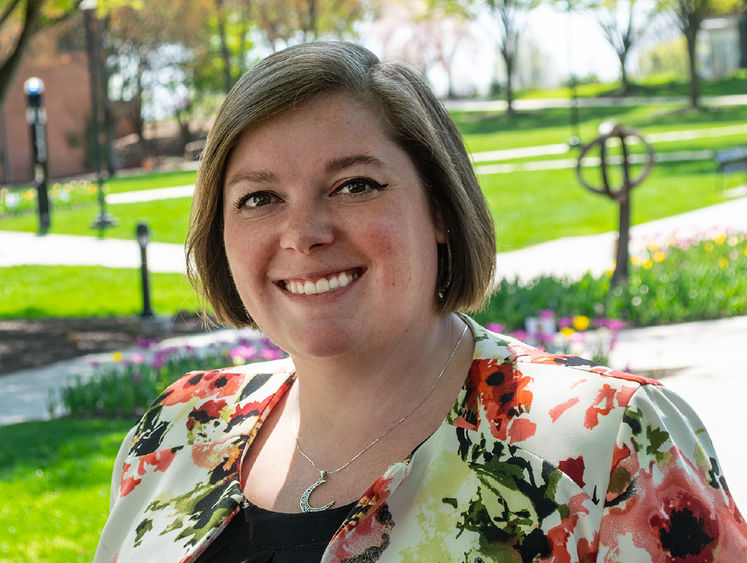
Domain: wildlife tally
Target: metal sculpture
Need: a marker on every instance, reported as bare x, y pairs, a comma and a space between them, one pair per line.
621, 193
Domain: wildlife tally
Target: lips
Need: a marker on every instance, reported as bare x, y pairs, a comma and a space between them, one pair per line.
324, 284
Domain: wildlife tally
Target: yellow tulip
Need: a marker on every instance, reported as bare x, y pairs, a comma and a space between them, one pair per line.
723, 263
659, 256
580, 322
567, 331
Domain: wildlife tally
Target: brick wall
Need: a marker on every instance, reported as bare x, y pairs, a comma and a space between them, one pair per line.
67, 100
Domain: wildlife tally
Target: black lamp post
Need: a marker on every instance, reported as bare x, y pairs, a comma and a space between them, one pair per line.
143, 237
37, 119
103, 219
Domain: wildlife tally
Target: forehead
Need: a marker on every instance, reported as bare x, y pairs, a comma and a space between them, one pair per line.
330, 125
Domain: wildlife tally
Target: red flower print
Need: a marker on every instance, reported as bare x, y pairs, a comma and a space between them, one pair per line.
560, 534
200, 385
557, 410
502, 391
607, 399
574, 467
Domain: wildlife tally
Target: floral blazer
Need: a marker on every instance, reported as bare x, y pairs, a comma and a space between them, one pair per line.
542, 458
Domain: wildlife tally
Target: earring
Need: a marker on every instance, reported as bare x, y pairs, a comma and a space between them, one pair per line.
444, 269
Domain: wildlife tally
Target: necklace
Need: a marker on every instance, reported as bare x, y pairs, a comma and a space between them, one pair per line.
304, 502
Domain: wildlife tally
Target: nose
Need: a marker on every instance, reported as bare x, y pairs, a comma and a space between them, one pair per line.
307, 227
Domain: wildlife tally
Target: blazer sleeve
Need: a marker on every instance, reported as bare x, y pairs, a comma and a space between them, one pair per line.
667, 499
119, 462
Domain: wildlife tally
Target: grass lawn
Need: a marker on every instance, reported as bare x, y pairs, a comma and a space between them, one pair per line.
136, 182
88, 291
666, 86
56, 492
166, 218
484, 131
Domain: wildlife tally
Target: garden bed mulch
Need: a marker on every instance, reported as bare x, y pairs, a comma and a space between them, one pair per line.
29, 343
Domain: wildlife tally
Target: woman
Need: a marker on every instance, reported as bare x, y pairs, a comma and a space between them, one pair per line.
337, 211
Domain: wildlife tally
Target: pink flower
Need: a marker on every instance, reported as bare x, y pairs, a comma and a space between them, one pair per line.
495, 327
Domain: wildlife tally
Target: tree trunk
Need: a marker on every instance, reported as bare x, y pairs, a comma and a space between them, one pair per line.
508, 59
11, 65
691, 39
224, 51
625, 84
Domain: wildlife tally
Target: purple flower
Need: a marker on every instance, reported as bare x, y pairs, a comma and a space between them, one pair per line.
546, 314
520, 334
496, 327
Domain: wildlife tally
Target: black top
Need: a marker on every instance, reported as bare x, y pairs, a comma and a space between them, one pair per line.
256, 535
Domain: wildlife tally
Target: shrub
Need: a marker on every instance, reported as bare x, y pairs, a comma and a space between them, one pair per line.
669, 281
126, 386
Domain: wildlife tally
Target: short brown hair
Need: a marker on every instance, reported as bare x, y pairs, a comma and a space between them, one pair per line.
411, 116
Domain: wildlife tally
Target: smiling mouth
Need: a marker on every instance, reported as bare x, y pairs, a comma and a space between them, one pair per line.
321, 285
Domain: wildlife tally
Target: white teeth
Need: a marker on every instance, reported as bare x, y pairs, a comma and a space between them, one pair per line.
322, 285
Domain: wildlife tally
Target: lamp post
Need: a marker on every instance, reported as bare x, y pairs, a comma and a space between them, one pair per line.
143, 237
37, 120
103, 219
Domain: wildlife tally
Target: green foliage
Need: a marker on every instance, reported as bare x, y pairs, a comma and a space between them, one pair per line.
684, 281
59, 485
88, 291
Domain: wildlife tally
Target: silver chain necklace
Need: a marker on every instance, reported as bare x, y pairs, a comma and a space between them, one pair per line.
304, 502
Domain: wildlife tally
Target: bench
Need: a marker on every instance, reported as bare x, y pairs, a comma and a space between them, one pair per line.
731, 160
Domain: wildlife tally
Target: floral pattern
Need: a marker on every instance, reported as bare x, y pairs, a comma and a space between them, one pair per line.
542, 458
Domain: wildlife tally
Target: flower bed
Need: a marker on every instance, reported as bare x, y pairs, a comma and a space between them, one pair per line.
670, 281
126, 385
18, 201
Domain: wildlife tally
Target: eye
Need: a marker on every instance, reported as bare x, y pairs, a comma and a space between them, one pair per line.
359, 187
254, 200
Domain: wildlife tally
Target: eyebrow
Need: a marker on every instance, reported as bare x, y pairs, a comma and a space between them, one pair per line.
338, 164
258, 176
332, 165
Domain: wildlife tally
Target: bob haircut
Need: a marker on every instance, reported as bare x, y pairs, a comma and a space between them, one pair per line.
410, 115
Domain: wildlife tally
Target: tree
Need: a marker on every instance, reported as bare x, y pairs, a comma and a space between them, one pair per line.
437, 30
689, 16
508, 14
19, 21
286, 21
618, 21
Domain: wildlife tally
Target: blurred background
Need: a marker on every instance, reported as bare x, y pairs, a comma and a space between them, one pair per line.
609, 137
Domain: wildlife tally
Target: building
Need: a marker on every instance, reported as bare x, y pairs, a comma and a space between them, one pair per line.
67, 99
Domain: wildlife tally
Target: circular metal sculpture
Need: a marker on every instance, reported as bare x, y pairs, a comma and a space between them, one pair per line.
620, 193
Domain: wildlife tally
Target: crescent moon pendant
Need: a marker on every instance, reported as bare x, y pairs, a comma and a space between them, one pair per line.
305, 506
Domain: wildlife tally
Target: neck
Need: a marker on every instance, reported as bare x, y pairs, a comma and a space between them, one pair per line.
365, 395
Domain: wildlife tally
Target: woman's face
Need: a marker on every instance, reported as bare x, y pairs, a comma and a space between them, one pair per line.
328, 232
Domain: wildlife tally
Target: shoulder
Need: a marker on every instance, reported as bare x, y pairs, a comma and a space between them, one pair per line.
204, 406
564, 410
545, 384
